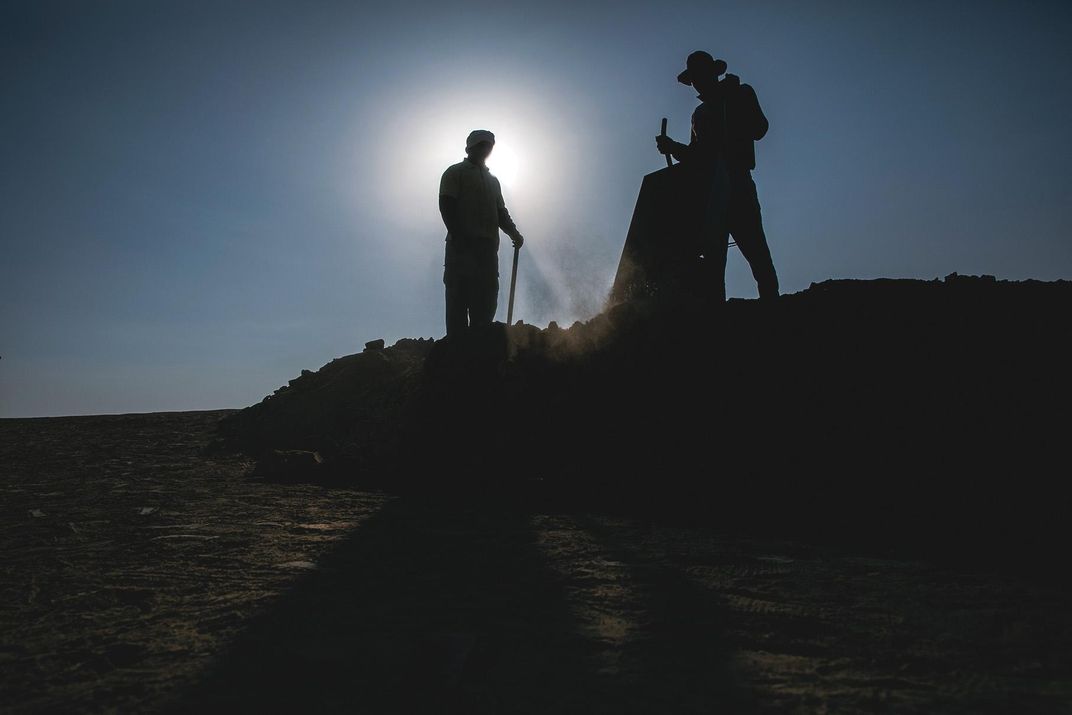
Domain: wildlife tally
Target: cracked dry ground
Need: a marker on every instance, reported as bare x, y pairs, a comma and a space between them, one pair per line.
139, 574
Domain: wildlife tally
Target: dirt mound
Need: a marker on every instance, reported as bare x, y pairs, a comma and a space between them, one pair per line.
349, 410
896, 409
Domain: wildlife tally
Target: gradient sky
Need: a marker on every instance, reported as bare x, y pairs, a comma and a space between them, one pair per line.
202, 198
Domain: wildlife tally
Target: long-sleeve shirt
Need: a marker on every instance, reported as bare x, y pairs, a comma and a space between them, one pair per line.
725, 126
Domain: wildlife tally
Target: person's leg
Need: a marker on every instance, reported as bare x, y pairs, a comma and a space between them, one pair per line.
746, 226
716, 244
457, 308
714, 237
484, 301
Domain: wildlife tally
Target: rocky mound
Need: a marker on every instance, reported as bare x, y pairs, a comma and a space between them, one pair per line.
892, 408
350, 410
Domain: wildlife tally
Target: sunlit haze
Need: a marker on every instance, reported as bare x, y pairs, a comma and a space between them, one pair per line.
203, 199
504, 163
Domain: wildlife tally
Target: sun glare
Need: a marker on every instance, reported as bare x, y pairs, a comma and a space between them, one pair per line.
504, 164
431, 132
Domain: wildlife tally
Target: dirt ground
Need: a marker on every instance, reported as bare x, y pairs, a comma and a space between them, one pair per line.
139, 574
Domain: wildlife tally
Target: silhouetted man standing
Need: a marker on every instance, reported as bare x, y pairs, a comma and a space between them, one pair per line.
471, 202
721, 149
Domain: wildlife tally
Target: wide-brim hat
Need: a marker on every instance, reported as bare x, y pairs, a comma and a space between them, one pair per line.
700, 64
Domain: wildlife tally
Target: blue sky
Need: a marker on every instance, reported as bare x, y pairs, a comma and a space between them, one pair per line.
201, 199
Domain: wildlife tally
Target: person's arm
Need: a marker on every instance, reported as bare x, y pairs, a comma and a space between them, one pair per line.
682, 152
448, 205
690, 151
675, 149
758, 124
507, 224
448, 209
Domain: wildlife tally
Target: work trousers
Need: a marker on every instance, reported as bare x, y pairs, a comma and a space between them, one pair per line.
471, 278
733, 210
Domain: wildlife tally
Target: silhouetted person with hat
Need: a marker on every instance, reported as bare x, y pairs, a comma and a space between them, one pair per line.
721, 150
471, 202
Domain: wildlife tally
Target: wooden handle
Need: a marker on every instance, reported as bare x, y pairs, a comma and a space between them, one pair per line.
513, 284
669, 159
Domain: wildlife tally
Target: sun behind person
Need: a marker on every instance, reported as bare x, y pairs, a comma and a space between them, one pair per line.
504, 163
473, 210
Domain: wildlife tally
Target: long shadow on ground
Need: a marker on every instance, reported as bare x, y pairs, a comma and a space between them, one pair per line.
665, 637
444, 608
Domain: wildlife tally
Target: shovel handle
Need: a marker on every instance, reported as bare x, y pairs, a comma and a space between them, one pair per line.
669, 159
513, 284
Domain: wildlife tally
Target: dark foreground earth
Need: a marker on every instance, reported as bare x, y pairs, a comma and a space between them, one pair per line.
140, 573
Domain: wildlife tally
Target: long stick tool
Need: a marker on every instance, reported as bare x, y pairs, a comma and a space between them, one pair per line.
513, 284
669, 159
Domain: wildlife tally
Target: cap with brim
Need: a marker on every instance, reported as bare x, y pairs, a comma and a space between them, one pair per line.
700, 64
477, 136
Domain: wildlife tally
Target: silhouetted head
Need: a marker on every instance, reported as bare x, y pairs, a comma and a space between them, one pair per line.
479, 144
702, 71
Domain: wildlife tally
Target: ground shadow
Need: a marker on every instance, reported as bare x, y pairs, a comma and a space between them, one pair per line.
678, 658
454, 608
420, 610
